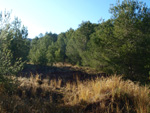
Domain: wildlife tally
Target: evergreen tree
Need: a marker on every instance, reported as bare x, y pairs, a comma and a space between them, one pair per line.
121, 45
99, 47
7, 64
40, 48
20, 45
51, 54
61, 44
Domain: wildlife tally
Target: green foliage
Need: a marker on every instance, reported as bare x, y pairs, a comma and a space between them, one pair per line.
20, 45
119, 45
132, 37
33, 51
101, 39
51, 54
6, 67
40, 52
82, 37
77, 44
71, 50
10, 63
61, 45
72, 53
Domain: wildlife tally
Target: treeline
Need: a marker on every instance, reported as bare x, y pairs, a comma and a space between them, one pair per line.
120, 45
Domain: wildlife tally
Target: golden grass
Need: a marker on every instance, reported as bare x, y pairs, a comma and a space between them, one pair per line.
102, 95
125, 94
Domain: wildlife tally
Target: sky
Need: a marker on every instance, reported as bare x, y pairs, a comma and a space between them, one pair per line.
56, 16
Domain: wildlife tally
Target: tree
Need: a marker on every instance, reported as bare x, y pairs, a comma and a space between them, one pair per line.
61, 45
7, 64
132, 35
72, 53
99, 47
6, 56
77, 45
122, 43
20, 45
82, 37
51, 54
39, 52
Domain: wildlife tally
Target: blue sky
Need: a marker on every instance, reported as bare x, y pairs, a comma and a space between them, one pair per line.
57, 16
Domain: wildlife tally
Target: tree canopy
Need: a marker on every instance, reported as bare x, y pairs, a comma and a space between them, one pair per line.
119, 45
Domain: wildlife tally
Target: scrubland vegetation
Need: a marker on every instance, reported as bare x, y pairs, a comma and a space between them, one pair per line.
102, 95
105, 67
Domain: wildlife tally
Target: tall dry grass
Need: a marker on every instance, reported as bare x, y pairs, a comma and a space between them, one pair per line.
110, 94
101, 95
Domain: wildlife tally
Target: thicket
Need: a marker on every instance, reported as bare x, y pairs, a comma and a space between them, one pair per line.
14, 48
120, 45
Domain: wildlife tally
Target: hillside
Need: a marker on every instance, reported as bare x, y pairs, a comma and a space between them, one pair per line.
98, 94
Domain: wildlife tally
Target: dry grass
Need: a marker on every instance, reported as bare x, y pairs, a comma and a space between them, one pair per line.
102, 95
110, 94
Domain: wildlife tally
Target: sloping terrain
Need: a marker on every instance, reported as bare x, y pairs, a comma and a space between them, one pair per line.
37, 94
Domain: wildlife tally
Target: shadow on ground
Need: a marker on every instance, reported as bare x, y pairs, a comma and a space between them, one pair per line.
67, 73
